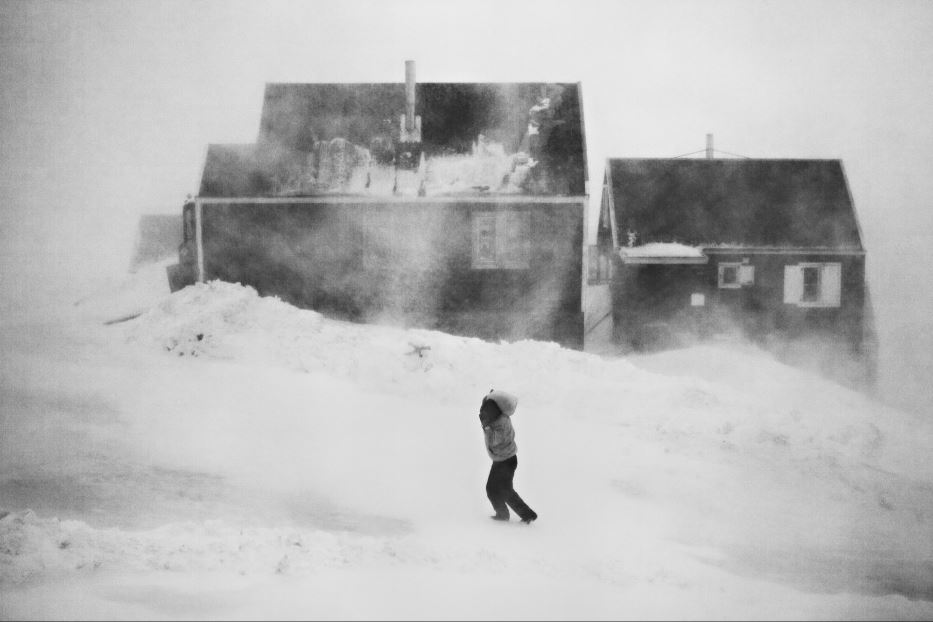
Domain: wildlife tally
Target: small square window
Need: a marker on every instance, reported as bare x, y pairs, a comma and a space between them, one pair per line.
729, 276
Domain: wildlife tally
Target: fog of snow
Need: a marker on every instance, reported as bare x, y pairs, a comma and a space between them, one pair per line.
224, 455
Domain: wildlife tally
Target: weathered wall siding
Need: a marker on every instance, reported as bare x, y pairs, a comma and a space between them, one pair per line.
651, 303
405, 262
760, 308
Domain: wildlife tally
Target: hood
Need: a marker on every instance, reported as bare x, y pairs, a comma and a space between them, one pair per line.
506, 402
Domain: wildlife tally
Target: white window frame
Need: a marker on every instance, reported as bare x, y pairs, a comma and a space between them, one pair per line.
722, 271
830, 284
510, 240
815, 269
744, 274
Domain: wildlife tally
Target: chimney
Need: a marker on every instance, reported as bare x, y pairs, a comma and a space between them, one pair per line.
409, 95
408, 147
709, 146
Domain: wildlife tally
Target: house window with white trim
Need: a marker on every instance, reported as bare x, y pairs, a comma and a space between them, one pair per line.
813, 284
729, 276
501, 240
734, 275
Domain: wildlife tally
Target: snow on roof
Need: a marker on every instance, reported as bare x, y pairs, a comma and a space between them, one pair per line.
662, 252
340, 139
662, 249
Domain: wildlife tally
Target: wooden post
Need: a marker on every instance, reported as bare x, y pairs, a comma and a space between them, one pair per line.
199, 238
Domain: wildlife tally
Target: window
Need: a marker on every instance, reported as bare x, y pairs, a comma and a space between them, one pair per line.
597, 263
729, 276
813, 284
736, 275
501, 240
484, 241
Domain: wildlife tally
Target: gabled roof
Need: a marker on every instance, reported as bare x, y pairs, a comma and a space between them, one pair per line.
734, 202
301, 121
236, 170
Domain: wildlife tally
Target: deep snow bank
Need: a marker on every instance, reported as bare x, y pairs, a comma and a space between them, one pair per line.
725, 396
241, 435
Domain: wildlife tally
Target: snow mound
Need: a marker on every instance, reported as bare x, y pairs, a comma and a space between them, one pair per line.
222, 320
712, 396
222, 435
230, 321
33, 546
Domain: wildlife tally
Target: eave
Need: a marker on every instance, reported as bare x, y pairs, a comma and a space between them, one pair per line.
369, 199
782, 250
647, 260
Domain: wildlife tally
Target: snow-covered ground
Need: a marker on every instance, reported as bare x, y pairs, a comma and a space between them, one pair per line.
228, 456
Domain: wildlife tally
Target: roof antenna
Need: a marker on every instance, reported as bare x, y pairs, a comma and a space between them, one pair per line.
709, 146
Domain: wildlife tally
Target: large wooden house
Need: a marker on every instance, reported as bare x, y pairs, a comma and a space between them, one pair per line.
453, 206
696, 248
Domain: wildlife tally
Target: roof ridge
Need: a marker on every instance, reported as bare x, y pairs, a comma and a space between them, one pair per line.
741, 159
427, 82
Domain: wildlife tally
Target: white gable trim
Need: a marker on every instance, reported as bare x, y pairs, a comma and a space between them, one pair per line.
607, 190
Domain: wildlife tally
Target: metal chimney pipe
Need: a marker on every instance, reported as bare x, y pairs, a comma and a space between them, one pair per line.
709, 146
409, 95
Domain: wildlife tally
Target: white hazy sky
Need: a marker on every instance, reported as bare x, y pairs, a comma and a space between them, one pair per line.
106, 107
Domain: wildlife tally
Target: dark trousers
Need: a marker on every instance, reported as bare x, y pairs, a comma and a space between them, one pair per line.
502, 495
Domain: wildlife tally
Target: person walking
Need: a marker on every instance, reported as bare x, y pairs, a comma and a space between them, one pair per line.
495, 415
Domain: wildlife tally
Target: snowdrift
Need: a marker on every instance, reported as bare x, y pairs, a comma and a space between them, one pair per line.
234, 440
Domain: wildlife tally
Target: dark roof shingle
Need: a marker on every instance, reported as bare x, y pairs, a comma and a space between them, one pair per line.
748, 202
